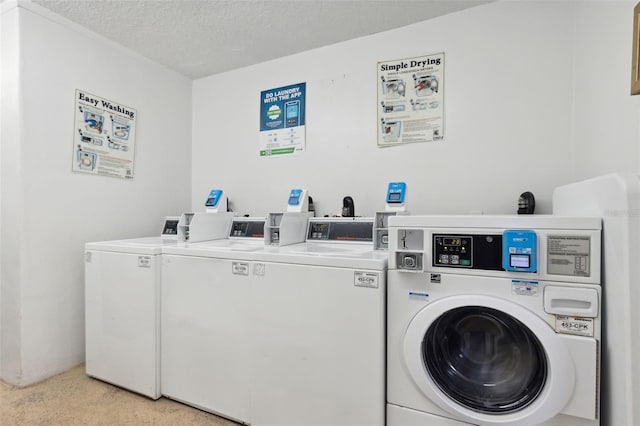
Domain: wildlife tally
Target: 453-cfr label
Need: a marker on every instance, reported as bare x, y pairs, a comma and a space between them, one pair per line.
365, 279
574, 325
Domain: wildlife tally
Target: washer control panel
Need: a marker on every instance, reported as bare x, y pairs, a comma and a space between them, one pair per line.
476, 251
453, 250
247, 228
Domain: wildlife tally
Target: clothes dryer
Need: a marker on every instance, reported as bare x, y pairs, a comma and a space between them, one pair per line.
206, 321
493, 320
615, 197
317, 328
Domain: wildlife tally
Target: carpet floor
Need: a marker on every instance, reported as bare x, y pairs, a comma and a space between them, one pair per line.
72, 398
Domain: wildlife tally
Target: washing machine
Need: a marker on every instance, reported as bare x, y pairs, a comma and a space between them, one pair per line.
206, 321
493, 320
122, 310
317, 314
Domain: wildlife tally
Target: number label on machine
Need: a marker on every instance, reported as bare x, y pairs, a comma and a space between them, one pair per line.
144, 261
240, 268
574, 325
365, 279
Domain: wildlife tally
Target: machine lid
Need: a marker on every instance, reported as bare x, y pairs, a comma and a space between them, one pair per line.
147, 245
487, 360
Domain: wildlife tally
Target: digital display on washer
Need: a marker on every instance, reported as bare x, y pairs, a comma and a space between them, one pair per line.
247, 228
520, 261
341, 231
170, 227
394, 196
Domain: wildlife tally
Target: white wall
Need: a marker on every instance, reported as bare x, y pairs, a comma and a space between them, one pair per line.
509, 101
499, 128
50, 212
607, 118
9, 119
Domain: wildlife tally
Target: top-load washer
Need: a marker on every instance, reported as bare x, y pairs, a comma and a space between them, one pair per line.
122, 303
493, 320
317, 328
206, 319
121, 310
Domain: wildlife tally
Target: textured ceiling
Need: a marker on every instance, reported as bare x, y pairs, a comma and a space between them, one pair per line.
203, 37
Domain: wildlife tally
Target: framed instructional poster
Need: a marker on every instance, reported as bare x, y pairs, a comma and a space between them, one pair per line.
103, 137
411, 100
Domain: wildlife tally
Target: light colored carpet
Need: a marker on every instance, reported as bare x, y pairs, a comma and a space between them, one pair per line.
72, 398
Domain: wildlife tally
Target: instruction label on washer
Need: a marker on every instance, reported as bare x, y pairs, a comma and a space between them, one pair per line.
365, 279
144, 261
574, 325
568, 255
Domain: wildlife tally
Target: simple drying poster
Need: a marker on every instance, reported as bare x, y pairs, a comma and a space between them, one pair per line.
411, 100
282, 116
104, 137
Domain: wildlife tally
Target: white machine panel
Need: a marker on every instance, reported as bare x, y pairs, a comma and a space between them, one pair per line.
122, 339
205, 350
318, 345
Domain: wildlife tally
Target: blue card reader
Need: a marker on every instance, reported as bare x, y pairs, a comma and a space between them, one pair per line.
295, 197
214, 198
396, 192
519, 250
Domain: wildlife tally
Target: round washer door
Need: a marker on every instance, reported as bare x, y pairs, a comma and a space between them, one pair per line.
487, 360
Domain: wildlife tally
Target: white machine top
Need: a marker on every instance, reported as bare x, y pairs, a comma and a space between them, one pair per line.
225, 249
356, 256
333, 242
497, 221
147, 245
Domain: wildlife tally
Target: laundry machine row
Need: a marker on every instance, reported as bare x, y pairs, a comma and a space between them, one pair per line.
286, 335
493, 320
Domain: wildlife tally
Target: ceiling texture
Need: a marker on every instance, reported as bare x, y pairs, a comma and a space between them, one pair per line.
198, 38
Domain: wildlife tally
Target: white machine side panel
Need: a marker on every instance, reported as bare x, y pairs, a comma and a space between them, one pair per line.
204, 335
122, 344
615, 197
318, 341
584, 352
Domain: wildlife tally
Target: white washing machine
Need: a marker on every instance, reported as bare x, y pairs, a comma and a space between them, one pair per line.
122, 281
206, 321
317, 328
615, 197
493, 320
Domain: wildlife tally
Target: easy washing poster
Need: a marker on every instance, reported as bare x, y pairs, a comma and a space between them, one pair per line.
282, 117
103, 137
411, 100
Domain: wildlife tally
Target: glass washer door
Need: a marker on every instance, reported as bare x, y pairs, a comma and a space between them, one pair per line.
488, 360
484, 359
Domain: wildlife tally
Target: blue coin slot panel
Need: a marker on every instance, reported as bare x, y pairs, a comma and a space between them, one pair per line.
520, 250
